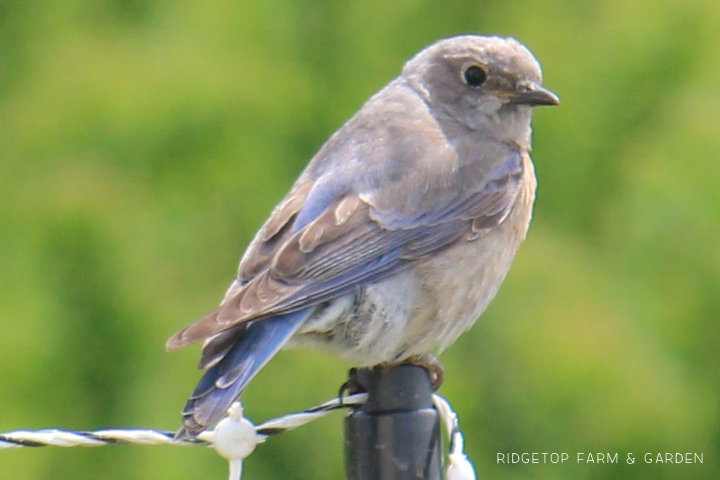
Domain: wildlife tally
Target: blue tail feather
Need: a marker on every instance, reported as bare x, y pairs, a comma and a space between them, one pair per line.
225, 381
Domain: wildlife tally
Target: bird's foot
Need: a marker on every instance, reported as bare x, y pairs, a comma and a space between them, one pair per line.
432, 365
427, 361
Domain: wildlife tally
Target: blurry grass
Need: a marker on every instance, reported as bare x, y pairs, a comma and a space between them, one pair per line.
144, 142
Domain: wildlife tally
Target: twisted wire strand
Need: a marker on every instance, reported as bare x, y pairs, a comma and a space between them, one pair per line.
235, 437
139, 436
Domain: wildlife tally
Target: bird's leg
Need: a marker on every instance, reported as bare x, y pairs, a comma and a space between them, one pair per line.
432, 365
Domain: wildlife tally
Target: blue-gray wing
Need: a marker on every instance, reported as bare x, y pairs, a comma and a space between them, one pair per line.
346, 241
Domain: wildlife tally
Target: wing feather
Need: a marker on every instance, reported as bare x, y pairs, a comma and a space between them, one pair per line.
289, 267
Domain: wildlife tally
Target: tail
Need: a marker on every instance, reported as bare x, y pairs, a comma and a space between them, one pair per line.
252, 347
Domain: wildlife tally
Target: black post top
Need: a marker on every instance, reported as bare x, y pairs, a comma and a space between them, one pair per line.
395, 435
402, 388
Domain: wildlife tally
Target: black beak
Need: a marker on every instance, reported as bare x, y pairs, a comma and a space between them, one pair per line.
533, 95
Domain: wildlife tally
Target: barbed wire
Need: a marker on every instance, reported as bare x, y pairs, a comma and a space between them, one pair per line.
235, 437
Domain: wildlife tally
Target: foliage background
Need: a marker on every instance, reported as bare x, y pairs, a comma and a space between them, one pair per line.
142, 143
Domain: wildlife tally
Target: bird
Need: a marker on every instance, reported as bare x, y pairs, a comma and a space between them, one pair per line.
397, 234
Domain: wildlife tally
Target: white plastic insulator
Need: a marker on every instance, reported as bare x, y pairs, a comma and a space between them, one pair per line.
235, 469
235, 437
460, 468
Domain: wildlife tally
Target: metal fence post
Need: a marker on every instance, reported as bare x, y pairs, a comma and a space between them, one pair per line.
395, 435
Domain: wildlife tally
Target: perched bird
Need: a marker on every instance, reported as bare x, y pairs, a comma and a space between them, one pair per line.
397, 234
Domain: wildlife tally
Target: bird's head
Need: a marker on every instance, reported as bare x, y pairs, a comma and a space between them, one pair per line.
480, 81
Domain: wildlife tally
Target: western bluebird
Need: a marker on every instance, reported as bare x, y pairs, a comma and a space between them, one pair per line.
397, 234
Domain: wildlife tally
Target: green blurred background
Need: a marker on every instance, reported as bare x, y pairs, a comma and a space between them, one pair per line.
142, 143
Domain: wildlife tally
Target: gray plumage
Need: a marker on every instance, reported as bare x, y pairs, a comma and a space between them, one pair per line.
398, 233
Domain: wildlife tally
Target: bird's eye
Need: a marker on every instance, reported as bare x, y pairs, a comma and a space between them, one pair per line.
475, 76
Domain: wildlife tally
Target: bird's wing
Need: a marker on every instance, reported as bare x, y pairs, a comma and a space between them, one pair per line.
299, 260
